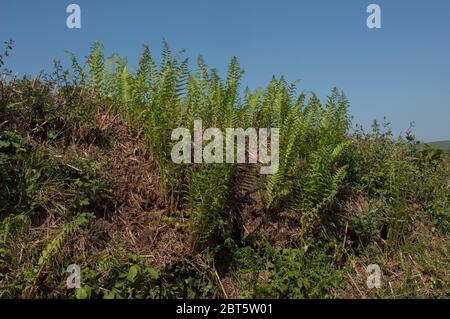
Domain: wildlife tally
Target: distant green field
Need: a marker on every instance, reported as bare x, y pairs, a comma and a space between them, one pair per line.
443, 145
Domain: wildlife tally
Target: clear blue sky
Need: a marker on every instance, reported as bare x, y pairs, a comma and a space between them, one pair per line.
401, 71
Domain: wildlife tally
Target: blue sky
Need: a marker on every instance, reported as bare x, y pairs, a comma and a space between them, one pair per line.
401, 71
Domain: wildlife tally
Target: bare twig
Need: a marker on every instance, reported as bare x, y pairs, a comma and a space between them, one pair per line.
220, 283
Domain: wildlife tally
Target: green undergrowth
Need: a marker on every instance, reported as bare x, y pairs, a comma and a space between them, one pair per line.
355, 197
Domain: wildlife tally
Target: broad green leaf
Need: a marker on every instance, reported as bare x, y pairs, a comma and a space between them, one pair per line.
132, 273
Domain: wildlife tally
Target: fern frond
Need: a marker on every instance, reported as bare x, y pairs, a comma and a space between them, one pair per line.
96, 66
54, 246
77, 68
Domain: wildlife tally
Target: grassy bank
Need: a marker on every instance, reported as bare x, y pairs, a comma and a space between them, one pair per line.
87, 179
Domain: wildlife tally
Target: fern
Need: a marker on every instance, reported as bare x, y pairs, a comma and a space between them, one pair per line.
96, 67
142, 84
54, 246
208, 193
125, 95
320, 184
161, 97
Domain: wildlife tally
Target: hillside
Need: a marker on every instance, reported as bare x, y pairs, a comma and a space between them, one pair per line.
87, 179
442, 145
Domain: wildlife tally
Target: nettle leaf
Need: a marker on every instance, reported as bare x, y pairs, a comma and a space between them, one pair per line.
153, 272
133, 272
